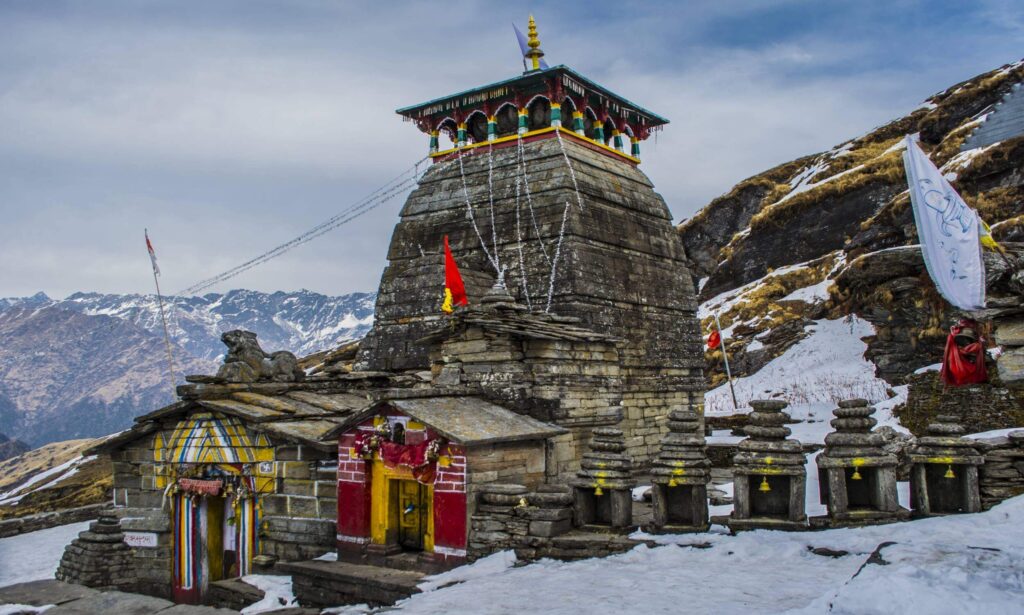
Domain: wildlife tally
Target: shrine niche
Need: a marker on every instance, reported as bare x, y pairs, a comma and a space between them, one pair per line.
857, 477
944, 471
409, 471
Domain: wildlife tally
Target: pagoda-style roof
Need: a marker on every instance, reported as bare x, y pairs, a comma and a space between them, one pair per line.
556, 84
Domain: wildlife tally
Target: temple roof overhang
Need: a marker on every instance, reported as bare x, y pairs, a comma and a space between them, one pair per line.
470, 421
556, 84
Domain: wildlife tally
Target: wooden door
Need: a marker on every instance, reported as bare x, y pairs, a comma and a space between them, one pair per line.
412, 514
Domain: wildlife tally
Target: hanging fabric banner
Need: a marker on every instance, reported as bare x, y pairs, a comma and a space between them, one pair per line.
949, 231
186, 570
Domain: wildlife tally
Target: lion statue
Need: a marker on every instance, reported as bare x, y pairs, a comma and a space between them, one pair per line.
246, 361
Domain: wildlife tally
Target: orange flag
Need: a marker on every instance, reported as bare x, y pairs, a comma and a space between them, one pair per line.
454, 290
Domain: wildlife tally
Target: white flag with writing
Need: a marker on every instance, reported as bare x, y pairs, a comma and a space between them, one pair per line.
949, 231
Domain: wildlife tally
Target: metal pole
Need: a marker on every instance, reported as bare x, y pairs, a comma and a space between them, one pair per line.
167, 337
725, 357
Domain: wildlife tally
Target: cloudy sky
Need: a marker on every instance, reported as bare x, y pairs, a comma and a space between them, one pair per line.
227, 127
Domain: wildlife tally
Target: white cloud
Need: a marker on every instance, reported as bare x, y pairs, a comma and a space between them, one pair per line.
231, 128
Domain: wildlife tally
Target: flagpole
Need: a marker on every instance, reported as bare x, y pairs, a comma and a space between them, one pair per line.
725, 357
163, 321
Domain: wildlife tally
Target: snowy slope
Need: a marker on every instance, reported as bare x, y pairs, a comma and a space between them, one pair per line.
34, 556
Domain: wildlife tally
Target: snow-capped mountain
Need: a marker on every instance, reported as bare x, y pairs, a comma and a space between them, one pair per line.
85, 365
302, 322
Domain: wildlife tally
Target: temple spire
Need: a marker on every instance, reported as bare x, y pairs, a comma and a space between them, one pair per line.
534, 54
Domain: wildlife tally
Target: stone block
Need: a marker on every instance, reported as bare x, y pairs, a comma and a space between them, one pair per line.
548, 529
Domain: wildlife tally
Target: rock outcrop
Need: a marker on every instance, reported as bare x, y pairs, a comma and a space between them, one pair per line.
850, 205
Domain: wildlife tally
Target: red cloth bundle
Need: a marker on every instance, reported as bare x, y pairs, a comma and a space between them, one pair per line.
963, 365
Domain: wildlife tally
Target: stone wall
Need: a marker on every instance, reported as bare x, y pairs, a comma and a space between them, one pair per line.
300, 517
1002, 475
979, 407
536, 524
32, 523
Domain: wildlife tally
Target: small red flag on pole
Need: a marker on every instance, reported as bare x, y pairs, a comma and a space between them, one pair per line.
714, 340
454, 290
160, 303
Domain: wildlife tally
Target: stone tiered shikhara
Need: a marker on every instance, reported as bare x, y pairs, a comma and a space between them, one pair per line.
680, 475
944, 471
857, 477
769, 476
604, 484
99, 558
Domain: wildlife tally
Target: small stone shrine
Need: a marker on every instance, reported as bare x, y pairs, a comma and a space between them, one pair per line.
944, 471
603, 487
769, 476
99, 557
680, 476
857, 477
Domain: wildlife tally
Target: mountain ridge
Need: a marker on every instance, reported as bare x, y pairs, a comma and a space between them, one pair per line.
83, 366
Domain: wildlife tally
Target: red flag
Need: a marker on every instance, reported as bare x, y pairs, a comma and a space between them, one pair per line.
714, 340
454, 290
152, 254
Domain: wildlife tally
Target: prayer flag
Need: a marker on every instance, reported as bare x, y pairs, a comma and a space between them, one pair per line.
950, 232
454, 290
152, 254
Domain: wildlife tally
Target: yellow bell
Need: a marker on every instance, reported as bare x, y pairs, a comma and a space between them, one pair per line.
598, 491
765, 487
856, 474
672, 482
949, 473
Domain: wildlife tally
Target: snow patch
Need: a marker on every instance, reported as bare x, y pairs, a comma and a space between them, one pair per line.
812, 375
277, 593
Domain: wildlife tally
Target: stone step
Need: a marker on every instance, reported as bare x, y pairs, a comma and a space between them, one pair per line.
323, 584
233, 594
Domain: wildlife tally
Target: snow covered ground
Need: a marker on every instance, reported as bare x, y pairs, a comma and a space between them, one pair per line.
955, 565
823, 368
35, 555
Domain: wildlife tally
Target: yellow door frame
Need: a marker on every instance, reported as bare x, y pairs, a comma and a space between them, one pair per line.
383, 515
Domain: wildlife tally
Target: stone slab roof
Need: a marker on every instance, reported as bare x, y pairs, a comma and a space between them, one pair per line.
304, 417
465, 420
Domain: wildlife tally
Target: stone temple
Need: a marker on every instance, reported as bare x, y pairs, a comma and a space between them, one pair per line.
544, 193
452, 435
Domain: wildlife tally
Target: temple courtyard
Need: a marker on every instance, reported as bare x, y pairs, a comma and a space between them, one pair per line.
956, 564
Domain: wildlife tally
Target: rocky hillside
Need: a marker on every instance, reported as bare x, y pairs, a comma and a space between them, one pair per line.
53, 477
809, 239
11, 448
84, 366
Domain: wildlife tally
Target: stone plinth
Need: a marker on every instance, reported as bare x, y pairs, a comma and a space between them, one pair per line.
99, 557
944, 471
769, 476
603, 487
857, 478
680, 475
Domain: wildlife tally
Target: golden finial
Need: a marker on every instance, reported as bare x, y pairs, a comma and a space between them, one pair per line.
535, 53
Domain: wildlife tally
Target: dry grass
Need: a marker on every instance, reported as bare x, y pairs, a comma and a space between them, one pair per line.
883, 169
